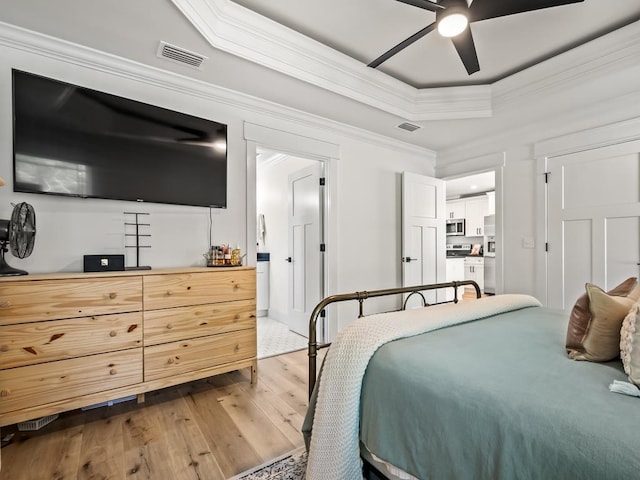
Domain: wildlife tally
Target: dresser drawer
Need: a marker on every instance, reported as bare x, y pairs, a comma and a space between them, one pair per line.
180, 323
25, 387
183, 289
32, 343
32, 301
176, 358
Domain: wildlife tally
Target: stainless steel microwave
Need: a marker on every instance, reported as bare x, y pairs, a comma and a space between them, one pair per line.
455, 226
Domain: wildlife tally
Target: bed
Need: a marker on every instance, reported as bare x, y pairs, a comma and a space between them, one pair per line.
482, 389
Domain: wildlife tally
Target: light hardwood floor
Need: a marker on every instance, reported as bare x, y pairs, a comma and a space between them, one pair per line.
206, 430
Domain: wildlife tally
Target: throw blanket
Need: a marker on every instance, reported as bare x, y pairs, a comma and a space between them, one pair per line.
334, 451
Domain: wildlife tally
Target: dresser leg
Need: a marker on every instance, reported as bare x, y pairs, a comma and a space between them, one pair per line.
140, 398
254, 372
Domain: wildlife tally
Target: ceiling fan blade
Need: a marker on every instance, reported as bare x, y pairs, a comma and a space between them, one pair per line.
425, 4
402, 45
485, 9
466, 48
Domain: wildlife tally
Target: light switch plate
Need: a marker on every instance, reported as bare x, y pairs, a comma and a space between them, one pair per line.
528, 242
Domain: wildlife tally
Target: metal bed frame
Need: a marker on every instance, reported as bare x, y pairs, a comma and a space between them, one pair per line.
313, 345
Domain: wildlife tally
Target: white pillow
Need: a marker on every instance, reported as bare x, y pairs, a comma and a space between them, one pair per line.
630, 344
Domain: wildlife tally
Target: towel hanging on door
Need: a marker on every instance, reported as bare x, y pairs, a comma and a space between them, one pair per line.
261, 229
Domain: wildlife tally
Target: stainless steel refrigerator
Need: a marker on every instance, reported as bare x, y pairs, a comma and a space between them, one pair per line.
490, 254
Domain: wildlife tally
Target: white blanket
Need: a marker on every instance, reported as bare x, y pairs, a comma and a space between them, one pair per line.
334, 452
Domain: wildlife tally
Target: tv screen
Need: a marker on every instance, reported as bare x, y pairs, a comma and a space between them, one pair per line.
70, 140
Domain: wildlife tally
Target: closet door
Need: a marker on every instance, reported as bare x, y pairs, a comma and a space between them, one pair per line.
593, 220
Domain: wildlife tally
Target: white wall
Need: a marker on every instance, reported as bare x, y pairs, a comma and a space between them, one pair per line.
366, 197
369, 239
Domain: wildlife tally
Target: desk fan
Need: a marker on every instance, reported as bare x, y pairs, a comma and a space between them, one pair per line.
20, 233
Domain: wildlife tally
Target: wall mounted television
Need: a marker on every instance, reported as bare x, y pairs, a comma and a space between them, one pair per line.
74, 141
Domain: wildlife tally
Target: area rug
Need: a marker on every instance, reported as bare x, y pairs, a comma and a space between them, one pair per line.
287, 467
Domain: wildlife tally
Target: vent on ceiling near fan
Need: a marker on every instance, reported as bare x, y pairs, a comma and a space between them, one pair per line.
409, 127
177, 54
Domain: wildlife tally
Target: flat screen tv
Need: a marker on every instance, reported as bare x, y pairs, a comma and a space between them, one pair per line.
70, 140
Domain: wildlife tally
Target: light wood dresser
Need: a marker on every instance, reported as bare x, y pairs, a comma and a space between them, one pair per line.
72, 340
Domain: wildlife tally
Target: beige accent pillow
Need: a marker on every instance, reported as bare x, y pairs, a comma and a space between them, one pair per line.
581, 315
630, 344
602, 340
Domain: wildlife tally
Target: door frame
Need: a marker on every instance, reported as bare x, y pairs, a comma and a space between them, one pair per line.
296, 145
544, 152
495, 163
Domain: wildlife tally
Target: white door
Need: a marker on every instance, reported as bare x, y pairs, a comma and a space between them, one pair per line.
305, 239
423, 235
593, 220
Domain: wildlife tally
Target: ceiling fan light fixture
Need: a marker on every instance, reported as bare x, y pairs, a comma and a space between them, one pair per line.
452, 24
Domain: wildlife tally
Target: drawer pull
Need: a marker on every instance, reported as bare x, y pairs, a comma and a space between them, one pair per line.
4, 348
113, 333
169, 293
169, 326
113, 295
236, 287
237, 349
4, 304
132, 328
4, 393
236, 318
113, 371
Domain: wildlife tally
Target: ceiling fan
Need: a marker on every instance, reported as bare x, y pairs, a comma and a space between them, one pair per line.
453, 18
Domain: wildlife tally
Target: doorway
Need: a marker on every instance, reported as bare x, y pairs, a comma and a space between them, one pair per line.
290, 228
474, 243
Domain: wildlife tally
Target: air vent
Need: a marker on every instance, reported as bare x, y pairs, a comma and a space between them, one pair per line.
409, 127
180, 55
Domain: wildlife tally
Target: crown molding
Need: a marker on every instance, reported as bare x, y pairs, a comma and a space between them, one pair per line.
70, 53
237, 30
614, 52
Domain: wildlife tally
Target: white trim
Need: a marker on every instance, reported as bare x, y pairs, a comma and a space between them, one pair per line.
287, 142
61, 50
298, 145
246, 34
546, 151
609, 53
621, 132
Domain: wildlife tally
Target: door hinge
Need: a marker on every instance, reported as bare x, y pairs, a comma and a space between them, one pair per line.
546, 177
322, 181
546, 247
323, 247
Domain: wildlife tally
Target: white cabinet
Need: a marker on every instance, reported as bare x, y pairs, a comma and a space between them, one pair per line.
456, 209
474, 270
476, 209
455, 272
473, 210
491, 206
262, 287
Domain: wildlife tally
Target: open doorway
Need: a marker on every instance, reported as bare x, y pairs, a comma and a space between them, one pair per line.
290, 230
471, 231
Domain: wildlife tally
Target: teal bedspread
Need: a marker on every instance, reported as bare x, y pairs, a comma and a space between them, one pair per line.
498, 399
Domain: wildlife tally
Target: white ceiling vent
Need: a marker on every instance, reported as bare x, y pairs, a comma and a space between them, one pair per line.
409, 127
180, 55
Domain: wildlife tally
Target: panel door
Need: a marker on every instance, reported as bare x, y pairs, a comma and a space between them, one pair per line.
305, 237
423, 234
593, 220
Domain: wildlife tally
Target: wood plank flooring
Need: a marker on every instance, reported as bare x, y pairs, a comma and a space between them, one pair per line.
206, 430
